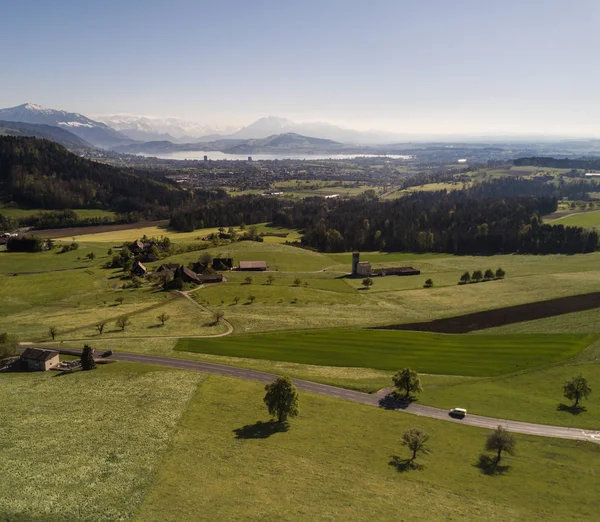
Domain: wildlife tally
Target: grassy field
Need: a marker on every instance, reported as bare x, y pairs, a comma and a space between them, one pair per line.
391, 350
580, 219
222, 464
82, 213
86, 446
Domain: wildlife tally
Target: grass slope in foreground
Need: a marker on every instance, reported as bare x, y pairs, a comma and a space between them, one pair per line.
481, 355
333, 464
86, 446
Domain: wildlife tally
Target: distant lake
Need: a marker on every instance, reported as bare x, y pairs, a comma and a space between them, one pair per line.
216, 155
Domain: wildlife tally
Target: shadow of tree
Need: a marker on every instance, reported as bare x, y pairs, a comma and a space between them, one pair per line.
403, 465
573, 410
261, 430
489, 466
393, 402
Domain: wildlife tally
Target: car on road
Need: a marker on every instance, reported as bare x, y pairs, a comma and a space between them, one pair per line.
107, 353
457, 412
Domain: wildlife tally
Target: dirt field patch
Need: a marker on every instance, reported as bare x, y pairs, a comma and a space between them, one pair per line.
503, 316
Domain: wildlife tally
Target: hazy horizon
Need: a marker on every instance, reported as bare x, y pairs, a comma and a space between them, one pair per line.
414, 68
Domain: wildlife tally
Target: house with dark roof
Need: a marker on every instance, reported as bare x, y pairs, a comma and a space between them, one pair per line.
137, 247
188, 276
252, 266
38, 359
138, 269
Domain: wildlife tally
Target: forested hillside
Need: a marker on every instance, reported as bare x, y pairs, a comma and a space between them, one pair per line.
43, 174
493, 217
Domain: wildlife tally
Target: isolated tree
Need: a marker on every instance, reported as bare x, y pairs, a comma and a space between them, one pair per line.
110, 252
163, 318
91, 256
87, 359
53, 331
219, 316
282, 398
428, 283
500, 273
248, 280
489, 274
477, 276
367, 282
122, 322
120, 300
297, 281
100, 326
465, 278
270, 279
416, 441
501, 440
576, 389
8, 345
236, 299
407, 380
251, 298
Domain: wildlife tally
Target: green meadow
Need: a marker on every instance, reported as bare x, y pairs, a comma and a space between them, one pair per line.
480, 355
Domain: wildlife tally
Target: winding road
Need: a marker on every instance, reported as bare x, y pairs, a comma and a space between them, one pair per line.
527, 428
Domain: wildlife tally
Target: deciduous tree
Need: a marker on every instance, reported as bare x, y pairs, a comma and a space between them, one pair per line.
282, 399
53, 331
122, 322
500, 273
100, 326
501, 440
163, 318
416, 441
576, 389
407, 380
489, 274
477, 276
367, 282
465, 278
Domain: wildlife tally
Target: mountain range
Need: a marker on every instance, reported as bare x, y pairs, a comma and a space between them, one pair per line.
97, 133
286, 142
47, 132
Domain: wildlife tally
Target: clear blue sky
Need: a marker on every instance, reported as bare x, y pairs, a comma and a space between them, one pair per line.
523, 66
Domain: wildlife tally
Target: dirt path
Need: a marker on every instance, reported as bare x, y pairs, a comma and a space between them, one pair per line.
379, 401
187, 293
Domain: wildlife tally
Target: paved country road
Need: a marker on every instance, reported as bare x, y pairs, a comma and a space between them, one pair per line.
360, 397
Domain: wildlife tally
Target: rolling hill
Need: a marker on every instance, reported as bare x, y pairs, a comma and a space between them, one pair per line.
48, 132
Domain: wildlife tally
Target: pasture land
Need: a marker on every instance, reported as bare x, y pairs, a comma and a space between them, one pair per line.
89, 449
391, 350
226, 461
82, 213
590, 219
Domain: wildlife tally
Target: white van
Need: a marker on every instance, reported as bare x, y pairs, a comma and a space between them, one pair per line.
458, 412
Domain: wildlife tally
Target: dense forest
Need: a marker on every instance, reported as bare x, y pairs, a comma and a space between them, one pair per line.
556, 163
42, 174
493, 217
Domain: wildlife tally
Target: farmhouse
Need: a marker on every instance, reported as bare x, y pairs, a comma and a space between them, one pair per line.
189, 276
138, 269
137, 247
37, 359
363, 268
252, 266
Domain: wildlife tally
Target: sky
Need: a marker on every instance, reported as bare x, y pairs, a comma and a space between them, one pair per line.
410, 66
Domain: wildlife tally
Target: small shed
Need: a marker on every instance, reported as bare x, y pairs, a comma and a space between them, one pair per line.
253, 266
38, 359
137, 247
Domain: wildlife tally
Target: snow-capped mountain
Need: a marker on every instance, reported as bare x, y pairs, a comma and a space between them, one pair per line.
274, 125
158, 129
94, 132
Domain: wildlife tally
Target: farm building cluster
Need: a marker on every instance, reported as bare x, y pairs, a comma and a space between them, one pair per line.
205, 270
364, 269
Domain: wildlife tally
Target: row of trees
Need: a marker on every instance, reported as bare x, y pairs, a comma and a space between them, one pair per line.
478, 276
